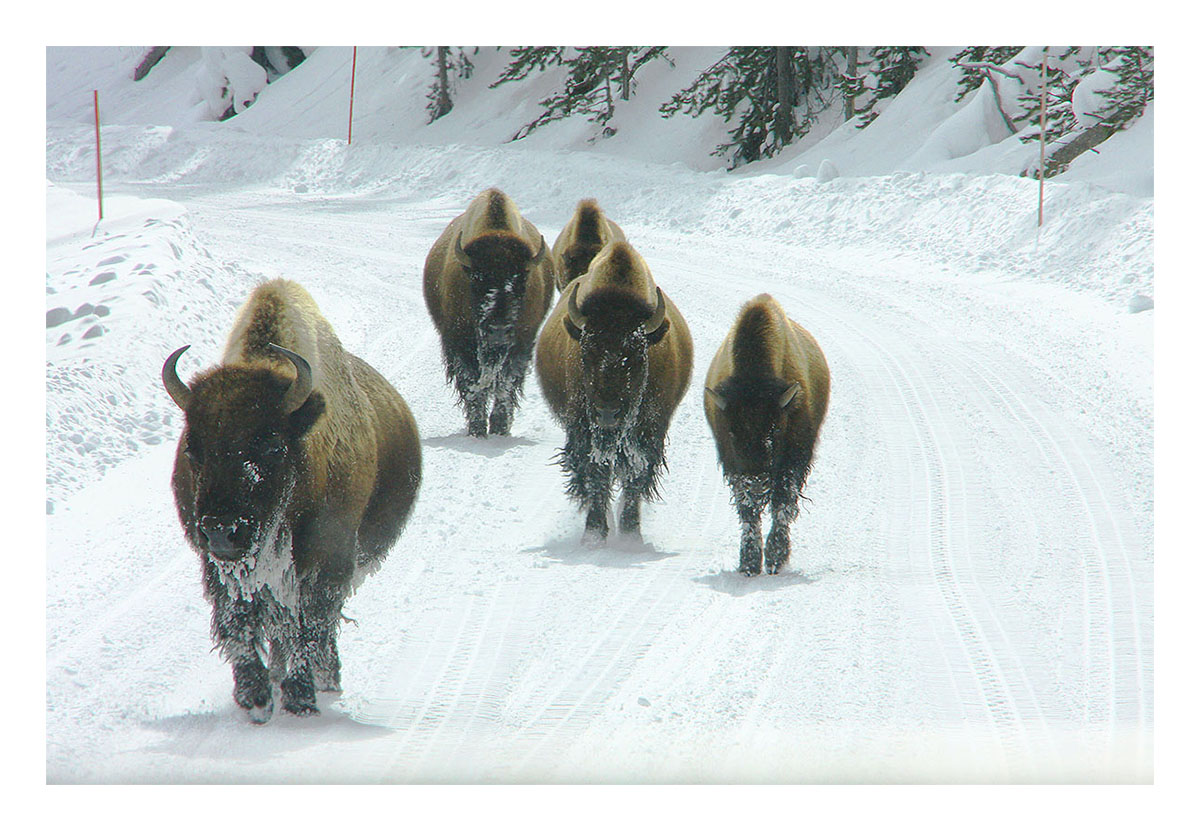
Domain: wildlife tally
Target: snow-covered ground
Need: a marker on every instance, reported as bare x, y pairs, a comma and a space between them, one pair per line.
970, 597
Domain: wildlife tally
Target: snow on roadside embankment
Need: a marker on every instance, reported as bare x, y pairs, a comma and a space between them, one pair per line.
117, 302
941, 230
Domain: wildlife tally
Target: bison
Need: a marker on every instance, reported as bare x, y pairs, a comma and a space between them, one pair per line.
581, 239
765, 398
489, 279
296, 469
613, 361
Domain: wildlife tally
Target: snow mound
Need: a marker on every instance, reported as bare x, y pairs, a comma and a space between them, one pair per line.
117, 303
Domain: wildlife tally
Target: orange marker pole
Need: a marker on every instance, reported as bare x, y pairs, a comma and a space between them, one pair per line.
99, 182
353, 65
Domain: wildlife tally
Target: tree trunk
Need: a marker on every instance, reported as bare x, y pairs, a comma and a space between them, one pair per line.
785, 94
1077, 146
444, 104
152, 57
626, 77
851, 73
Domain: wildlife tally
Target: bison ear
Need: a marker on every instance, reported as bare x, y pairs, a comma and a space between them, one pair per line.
306, 415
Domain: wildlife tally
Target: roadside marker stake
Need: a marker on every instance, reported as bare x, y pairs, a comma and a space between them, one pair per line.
353, 65
99, 183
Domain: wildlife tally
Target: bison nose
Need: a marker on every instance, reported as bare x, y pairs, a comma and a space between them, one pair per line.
606, 417
218, 536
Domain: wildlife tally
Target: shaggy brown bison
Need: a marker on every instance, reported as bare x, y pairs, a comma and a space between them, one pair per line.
765, 398
614, 360
296, 470
489, 279
581, 239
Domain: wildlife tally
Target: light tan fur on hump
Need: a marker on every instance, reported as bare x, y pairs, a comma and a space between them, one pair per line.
618, 265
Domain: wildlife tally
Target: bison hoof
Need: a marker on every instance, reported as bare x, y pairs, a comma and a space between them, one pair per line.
261, 714
299, 697
477, 429
750, 568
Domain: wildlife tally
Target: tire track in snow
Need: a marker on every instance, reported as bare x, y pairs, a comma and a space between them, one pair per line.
1114, 671
938, 553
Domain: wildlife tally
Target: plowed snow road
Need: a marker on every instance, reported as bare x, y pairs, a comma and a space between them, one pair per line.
969, 597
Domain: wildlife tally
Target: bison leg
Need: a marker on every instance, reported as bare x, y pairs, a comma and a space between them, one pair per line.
785, 507
750, 496
589, 482
508, 388
463, 370
750, 556
641, 467
327, 664
236, 628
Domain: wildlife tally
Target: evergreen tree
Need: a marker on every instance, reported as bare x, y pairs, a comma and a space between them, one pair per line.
596, 77
971, 76
1062, 74
888, 71
527, 59
772, 95
452, 63
1126, 99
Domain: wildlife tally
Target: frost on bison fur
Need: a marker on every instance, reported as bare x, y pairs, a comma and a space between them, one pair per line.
765, 397
294, 475
614, 359
489, 280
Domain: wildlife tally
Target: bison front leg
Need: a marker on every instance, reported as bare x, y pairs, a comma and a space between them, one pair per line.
236, 628
750, 498
639, 484
785, 506
463, 370
507, 391
589, 482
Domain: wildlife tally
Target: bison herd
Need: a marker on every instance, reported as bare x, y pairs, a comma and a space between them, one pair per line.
299, 463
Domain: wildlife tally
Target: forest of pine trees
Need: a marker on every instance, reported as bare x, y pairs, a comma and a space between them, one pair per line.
772, 96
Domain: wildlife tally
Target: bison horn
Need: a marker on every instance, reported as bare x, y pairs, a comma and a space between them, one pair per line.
718, 399
180, 393
659, 317
577, 317
301, 388
788, 395
464, 259
541, 255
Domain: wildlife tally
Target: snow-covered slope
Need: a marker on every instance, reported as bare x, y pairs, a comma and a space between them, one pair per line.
970, 597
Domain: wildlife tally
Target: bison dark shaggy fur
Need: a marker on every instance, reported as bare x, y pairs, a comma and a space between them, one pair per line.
614, 359
766, 394
294, 475
489, 280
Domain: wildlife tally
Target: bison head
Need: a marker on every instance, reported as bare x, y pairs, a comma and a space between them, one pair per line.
240, 452
755, 409
497, 266
615, 331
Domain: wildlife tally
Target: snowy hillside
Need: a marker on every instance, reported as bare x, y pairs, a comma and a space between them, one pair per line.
970, 597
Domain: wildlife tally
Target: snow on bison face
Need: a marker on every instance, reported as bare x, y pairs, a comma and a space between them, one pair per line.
240, 452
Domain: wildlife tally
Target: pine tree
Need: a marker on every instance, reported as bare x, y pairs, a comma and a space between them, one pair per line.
452, 64
526, 60
972, 77
772, 95
1062, 74
1126, 99
597, 76
889, 70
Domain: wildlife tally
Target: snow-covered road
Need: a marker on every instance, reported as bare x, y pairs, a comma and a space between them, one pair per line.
969, 597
